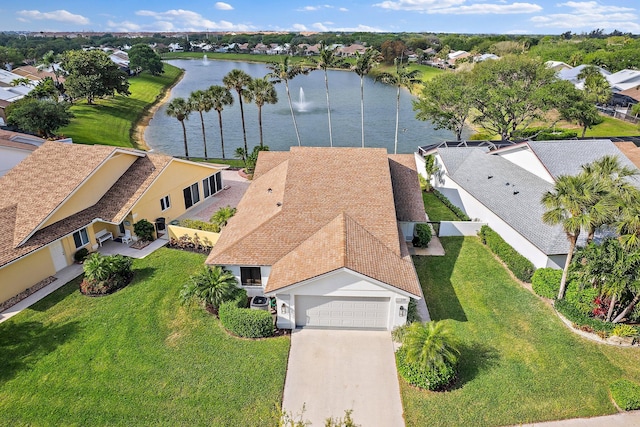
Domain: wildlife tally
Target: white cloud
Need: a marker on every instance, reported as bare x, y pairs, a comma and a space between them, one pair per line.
124, 26
343, 9
223, 6
299, 27
314, 8
459, 7
187, 20
320, 27
56, 15
589, 15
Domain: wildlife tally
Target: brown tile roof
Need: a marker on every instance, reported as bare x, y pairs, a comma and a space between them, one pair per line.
633, 92
630, 150
35, 73
328, 196
114, 205
406, 188
267, 160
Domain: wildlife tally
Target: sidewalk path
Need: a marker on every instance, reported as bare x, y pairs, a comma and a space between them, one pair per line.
624, 419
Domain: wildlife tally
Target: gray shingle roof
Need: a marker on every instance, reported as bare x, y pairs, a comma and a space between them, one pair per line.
522, 211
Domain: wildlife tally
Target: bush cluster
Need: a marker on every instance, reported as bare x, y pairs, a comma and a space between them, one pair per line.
81, 254
624, 331
104, 275
423, 236
546, 282
192, 244
626, 394
545, 134
144, 230
197, 224
426, 379
456, 210
580, 319
520, 266
245, 322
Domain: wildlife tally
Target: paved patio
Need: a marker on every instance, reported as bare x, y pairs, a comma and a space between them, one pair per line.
236, 187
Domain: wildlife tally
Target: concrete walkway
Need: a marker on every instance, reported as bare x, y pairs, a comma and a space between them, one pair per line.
236, 187
331, 371
625, 419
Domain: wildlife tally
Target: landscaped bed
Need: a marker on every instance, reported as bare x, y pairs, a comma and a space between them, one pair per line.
519, 363
136, 357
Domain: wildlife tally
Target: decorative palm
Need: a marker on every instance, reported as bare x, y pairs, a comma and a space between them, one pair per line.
328, 59
223, 215
283, 72
596, 86
568, 205
200, 101
49, 61
261, 91
180, 109
238, 80
401, 78
220, 96
212, 286
364, 64
431, 345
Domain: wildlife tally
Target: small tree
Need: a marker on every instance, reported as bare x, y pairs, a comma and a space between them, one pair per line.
222, 216
431, 168
39, 116
92, 74
212, 286
144, 230
143, 57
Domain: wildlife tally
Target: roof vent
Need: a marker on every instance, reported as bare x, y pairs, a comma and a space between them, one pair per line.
515, 192
507, 183
490, 176
269, 190
279, 204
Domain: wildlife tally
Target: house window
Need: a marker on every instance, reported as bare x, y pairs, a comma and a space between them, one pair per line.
212, 184
191, 195
81, 238
165, 203
250, 276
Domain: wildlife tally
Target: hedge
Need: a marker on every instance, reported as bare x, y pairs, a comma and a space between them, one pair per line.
580, 319
245, 322
423, 236
197, 224
456, 210
626, 394
545, 134
546, 282
426, 379
520, 266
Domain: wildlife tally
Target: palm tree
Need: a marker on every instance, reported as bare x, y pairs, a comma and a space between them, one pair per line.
220, 96
431, 345
261, 91
212, 286
238, 80
283, 72
49, 61
222, 216
328, 59
200, 100
364, 64
567, 205
596, 86
180, 109
401, 78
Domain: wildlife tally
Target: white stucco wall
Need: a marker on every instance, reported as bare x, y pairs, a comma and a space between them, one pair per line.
407, 229
340, 283
460, 228
251, 290
527, 160
9, 157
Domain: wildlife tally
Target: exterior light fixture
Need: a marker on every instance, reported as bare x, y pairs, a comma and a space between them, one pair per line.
283, 309
403, 311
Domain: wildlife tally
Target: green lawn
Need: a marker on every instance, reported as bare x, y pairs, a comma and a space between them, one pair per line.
519, 363
613, 127
436, 210
110, 121
136, 357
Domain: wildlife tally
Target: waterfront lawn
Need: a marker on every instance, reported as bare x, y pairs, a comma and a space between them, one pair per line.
110, 121
519, 363
436, 210
136, 357
613, 127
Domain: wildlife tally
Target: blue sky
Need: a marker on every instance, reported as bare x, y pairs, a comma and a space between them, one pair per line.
454, 16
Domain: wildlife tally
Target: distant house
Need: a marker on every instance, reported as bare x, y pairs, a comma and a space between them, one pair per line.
351, 50
328, 246
485, 57
624, 80
456, 56
65, 197
175, 47
503, 186
557, 65
36, 74
571, 74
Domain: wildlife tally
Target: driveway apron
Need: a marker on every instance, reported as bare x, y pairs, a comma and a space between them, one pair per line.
331, 371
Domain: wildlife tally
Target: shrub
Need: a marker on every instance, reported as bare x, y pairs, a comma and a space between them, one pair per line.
520, 266
144, 230
192, 244
414, 374
105, 274
582, 298
412, 311
197, 224
624, 331
212, 287
81, 254
456, 210
626, 394
245, 322
222, 216
399, 332
423, 236
546, 282
579, 319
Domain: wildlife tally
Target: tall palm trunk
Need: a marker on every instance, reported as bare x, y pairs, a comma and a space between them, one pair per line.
260, 123
612, 304
627, 309
293, 116
204, 136
184, 136
244, 131
563, 281
395, 145
362, 107
221, 136
326, 85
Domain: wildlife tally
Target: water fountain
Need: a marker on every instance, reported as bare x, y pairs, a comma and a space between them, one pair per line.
302, 105
205, 60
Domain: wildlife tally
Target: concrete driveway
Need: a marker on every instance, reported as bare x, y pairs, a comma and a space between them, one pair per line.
331, 371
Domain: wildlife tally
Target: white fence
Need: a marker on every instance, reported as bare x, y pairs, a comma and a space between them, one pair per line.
460, 228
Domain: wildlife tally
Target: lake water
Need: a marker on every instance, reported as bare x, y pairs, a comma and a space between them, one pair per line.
164, 133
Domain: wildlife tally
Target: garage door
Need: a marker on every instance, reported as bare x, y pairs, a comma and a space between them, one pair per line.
342, 312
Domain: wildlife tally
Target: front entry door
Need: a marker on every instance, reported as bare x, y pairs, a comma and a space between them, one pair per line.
58, 256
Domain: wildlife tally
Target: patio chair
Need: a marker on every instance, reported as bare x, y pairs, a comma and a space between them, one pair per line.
127, 237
